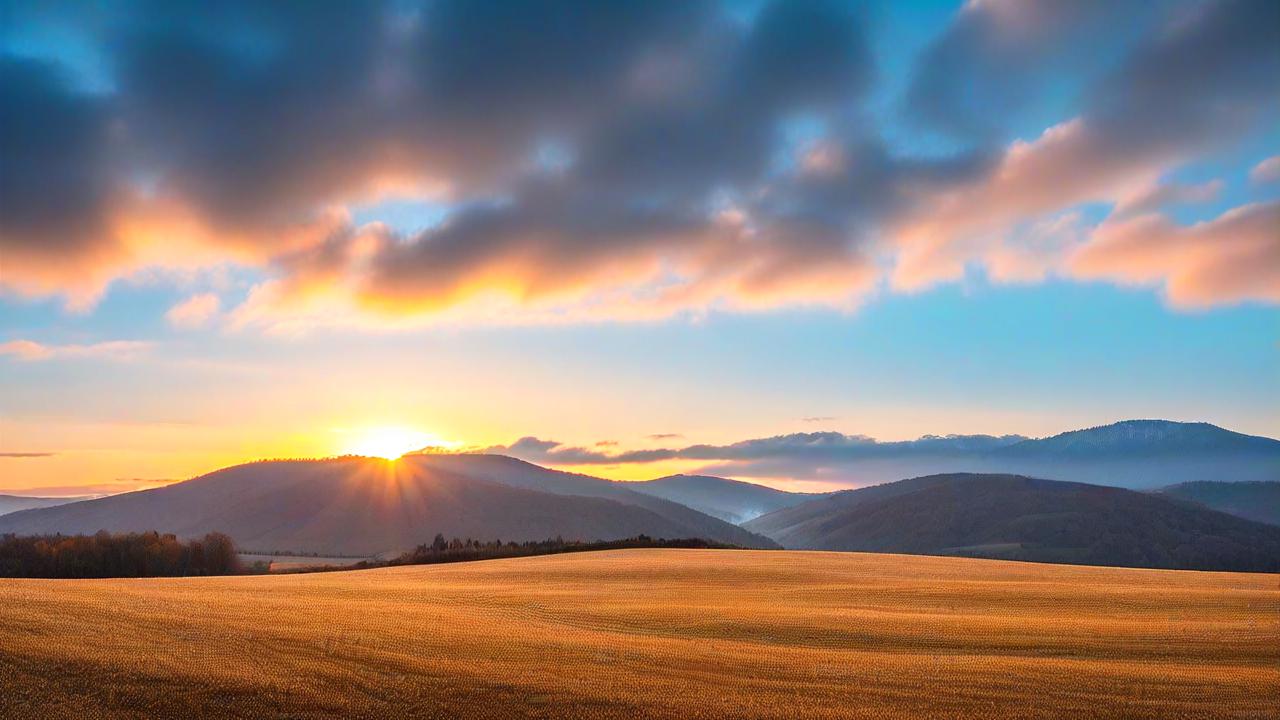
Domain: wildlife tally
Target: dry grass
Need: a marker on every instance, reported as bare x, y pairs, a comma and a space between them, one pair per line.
650, 633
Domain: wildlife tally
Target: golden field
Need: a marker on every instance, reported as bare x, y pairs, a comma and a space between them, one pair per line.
650, 633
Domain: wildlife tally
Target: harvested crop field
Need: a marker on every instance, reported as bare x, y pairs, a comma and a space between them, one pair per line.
650, 633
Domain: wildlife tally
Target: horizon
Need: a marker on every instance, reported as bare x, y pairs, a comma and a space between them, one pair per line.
578, 460
252, 231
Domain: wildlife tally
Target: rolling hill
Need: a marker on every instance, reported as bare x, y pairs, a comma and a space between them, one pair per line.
1257, 501
14, 503
1020, 518
730, 500
365, 506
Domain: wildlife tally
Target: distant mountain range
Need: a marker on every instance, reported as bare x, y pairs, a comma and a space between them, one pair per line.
1019, 518
1142, 454
1138, 454
1143, 438
365, 506
14, 503
730, 500
1258, 501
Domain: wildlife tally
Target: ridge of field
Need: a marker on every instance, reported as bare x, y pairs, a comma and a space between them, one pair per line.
650, 634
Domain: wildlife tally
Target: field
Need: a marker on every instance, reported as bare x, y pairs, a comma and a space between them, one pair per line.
650, 633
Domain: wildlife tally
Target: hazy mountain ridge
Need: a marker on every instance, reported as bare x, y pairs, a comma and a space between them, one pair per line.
518, 473
1257, 501
14, 503
1019, 518
367, 506
734, 501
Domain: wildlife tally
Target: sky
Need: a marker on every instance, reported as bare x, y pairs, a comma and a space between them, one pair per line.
253, 230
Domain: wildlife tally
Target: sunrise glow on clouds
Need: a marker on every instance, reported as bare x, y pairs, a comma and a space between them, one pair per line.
203, 195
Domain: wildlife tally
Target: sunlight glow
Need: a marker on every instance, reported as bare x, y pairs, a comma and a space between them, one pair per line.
392, 442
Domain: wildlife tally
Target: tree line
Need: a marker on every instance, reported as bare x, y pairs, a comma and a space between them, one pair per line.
152, 554
462, 550
103, 555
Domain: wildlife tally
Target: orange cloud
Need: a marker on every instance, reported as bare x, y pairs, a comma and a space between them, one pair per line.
1267, 171
546, 269
1232, 258
194, 311
1064, 167
29, 350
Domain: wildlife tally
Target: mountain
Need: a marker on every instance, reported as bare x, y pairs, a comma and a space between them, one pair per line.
729, 500
365, 506
1131, 438
1142, 454
14, 503
1020, 518
1137, 454
1257, 501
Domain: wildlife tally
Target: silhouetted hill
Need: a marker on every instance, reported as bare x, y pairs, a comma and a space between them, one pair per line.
14, 503
518, 473
365, 506
1257, 501
1019, 518
729, 500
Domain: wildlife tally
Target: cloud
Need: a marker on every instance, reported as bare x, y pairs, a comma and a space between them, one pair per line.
794, 450
998, 56
599, 161
1232, 258
664, 436
818, 419
1036, 251
56, 186
1162, 195
30, 351
1168, 102
194, 311
26, 454
1266, 171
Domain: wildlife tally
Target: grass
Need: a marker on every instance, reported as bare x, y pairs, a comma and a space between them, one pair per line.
650, 633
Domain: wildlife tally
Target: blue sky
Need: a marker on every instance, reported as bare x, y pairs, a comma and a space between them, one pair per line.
903, 218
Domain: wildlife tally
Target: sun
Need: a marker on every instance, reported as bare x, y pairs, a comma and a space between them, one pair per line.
392, 442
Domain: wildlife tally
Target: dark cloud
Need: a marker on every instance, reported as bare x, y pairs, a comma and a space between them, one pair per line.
53, 139
56, 181
1213, 70
26, 454
998, 56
